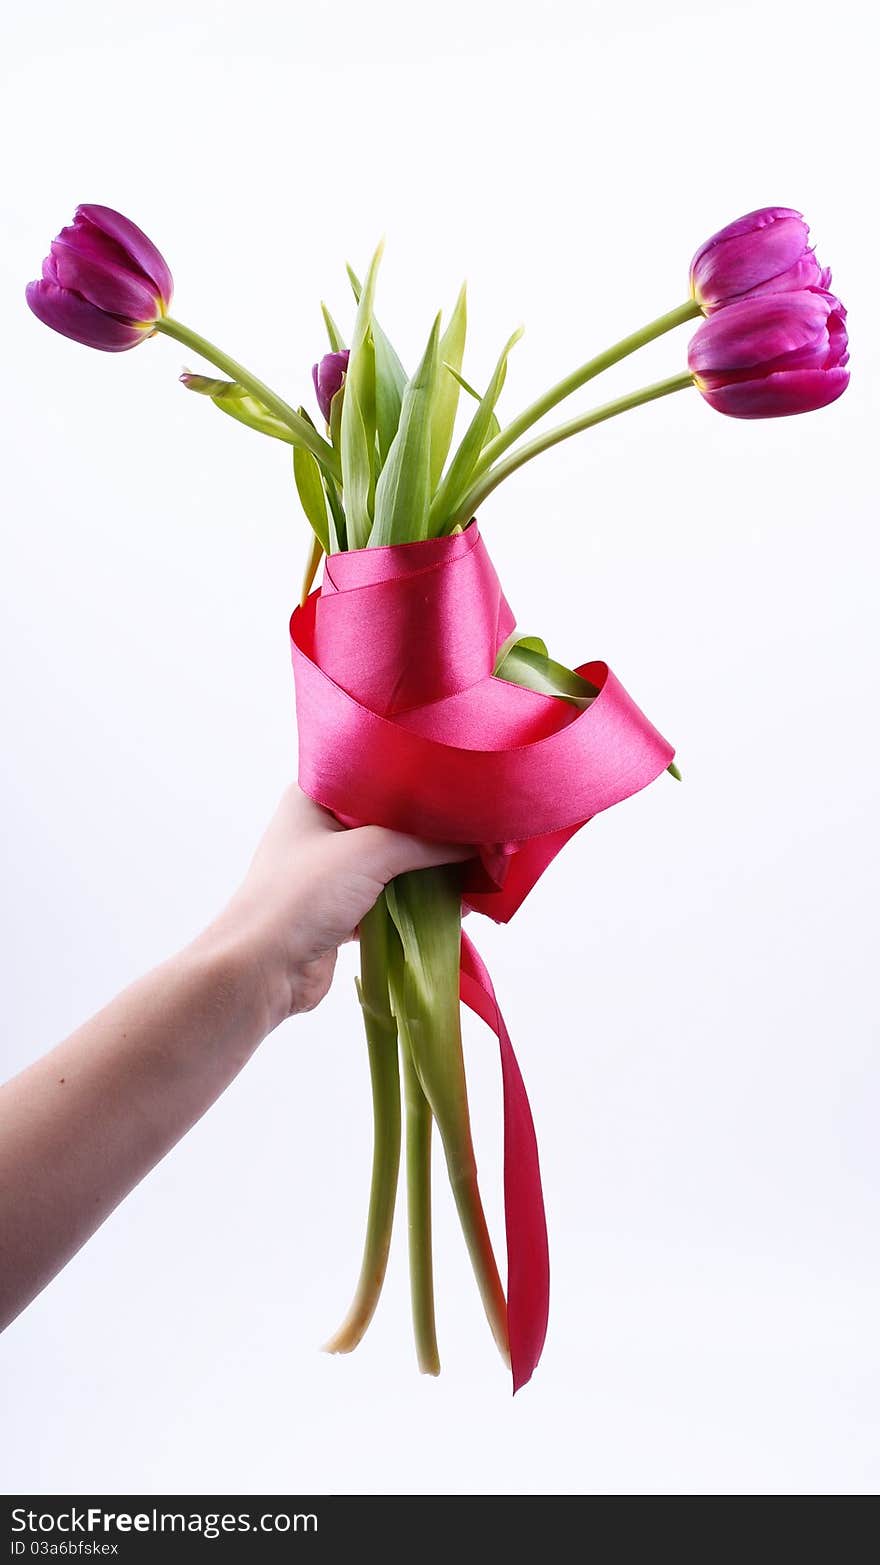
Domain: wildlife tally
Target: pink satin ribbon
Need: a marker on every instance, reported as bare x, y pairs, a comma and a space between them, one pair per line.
402, 724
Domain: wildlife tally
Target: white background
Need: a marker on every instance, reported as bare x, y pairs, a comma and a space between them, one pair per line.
691, 985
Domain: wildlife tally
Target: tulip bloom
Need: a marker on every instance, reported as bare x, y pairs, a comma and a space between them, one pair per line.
776, 354
764, 252
104, 283
328, 377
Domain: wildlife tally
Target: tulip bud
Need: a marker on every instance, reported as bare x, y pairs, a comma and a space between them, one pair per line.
329, 377
773, 355
104, 283
764, 252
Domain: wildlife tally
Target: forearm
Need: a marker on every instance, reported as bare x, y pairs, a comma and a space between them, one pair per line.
85, 1123
81, 1126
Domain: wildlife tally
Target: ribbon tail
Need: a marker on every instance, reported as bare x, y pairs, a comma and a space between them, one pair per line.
528, 1258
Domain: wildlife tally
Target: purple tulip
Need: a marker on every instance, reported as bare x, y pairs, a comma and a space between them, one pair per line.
104, 283
777, 354
764, 252
329, 376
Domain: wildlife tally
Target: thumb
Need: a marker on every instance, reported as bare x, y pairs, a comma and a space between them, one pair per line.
382, 854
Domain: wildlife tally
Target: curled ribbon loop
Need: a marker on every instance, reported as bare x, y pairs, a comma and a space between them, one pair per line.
402, 724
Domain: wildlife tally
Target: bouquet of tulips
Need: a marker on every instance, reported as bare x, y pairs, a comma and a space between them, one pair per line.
419, 705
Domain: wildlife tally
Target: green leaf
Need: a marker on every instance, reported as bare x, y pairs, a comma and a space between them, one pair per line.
338, 536
310, 488
232, 398
532, 644
390, 385
306, 416
425, 907
454, 486
336, 419
240, 404
526, 663
357, 471
206, 385
390, 381
334, 335
403, 492
336, 522
494, 427
446, 400
358, 435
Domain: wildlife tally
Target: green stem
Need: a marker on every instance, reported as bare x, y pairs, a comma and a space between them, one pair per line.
489, 481
426, 908
307, 435
381, 1030
419, 1124
462, 1167
579, 377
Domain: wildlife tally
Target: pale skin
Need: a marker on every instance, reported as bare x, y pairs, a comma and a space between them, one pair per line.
82, 1126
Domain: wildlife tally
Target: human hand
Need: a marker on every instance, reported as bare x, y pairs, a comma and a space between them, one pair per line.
309, 885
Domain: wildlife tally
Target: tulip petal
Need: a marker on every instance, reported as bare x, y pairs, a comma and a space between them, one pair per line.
733, 266
766, 251
758, 331
328, 377
135, 244
779, 395
772, 356
90, 241
74, 317
838, 340
104, 283
803, 273
749, 223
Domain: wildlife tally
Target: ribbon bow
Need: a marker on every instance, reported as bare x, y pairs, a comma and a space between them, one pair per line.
402, 724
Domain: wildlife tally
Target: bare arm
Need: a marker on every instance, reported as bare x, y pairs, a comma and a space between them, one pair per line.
81, 1126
